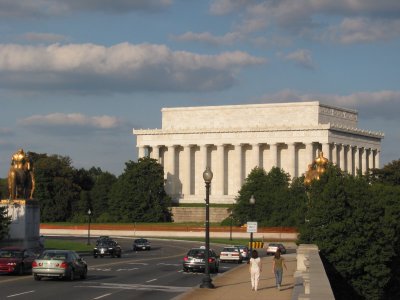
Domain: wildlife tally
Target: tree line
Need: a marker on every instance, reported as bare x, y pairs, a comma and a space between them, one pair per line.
66, 194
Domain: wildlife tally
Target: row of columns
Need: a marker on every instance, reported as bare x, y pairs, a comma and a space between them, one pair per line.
179, 181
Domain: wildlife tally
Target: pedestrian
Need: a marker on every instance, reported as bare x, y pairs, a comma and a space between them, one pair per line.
255, 269
277, 268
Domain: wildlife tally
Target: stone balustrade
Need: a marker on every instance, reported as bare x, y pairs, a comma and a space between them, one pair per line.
310, 277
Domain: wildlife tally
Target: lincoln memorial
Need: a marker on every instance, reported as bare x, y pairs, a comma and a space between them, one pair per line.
234, 139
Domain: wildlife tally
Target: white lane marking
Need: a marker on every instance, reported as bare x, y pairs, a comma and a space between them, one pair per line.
164, 264
133, 263
151, 280
102, 296
15, 295
127, 269
141, 287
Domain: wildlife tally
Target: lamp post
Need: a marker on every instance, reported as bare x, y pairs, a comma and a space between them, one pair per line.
89, 212
230, 232
252, 201
207, 282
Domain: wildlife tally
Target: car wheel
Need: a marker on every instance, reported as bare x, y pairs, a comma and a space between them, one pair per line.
95, 256
119, 255
185, 270
37, 277
84, 274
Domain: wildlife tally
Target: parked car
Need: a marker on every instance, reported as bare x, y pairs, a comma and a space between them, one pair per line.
244, 251
273, 247
231, 253
16, 260
194, 260
141, 244
107, 248
66, 264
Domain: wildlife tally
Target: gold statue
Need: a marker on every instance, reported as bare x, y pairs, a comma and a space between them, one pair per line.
316, 169
21, 180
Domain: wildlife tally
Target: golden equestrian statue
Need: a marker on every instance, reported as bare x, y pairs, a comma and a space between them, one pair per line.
316, 169
21, 180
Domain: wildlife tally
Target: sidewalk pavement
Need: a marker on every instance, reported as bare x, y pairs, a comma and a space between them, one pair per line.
236, 285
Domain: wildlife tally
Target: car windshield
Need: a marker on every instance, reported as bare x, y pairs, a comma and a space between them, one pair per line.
230, 249
53, 255
105, 244
199, 253
10, 254
141, 241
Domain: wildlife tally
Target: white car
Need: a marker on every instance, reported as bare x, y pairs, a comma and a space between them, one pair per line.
231, 254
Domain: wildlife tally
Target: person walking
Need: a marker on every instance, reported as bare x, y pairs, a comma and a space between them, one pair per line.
255, 269
277, 268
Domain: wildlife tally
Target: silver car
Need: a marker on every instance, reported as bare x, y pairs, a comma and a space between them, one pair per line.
64, 264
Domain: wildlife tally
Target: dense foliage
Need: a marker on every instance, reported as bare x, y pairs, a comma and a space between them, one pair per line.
277, 203
4, 222
355, 225
138, 195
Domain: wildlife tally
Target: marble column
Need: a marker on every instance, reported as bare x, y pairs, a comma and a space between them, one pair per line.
377, 158
326, 151
292, 160
219, 171
203, 163
273, 149
141, 151
256, 155
238, 169
309, 154
170, 170
342, 162
350, 160
370, 159
364, 160
186, 178
155, 153
356, 160
334, 153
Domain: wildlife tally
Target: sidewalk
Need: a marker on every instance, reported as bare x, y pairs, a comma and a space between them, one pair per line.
236, 285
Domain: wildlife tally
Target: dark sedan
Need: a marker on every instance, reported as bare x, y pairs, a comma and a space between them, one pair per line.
195, 260
141, 244
16, 260
107, 248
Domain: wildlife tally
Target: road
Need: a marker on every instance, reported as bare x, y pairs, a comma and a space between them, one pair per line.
154, 274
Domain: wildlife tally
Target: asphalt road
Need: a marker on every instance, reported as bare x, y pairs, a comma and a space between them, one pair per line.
154, 274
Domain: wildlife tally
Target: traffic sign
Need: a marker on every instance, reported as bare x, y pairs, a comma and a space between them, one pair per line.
251, 227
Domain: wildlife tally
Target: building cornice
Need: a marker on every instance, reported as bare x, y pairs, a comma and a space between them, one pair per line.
335, 127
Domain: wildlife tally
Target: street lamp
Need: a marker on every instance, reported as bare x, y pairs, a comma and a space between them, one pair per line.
207, 282
230, 232
89, 212
252, 201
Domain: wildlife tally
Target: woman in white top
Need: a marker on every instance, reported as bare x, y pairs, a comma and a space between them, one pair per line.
255, 269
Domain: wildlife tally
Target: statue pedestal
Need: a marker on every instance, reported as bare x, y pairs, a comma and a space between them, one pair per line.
25, 222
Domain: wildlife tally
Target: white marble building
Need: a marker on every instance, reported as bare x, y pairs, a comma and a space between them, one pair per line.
234, 139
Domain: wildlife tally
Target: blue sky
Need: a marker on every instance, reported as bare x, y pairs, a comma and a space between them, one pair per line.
76, 76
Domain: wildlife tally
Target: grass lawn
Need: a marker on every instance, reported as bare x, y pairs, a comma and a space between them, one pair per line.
67, 245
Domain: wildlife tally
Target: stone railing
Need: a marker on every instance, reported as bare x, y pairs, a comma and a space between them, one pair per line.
311, 281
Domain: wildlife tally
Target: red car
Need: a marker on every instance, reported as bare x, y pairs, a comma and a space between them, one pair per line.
16, 260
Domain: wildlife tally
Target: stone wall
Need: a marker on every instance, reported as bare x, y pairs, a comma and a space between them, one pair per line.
198, 214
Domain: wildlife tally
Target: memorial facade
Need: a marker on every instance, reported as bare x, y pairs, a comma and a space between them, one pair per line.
234, 139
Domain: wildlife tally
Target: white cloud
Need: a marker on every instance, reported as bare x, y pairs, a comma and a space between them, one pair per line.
71, 120
221, 7
301, 57
40, 8
363, 30
208, 38
124, 68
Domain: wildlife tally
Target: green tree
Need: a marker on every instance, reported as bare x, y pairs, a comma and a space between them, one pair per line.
348, 219
389, 174
277, 204
55, 187
4, 222
138, 194
100, 195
